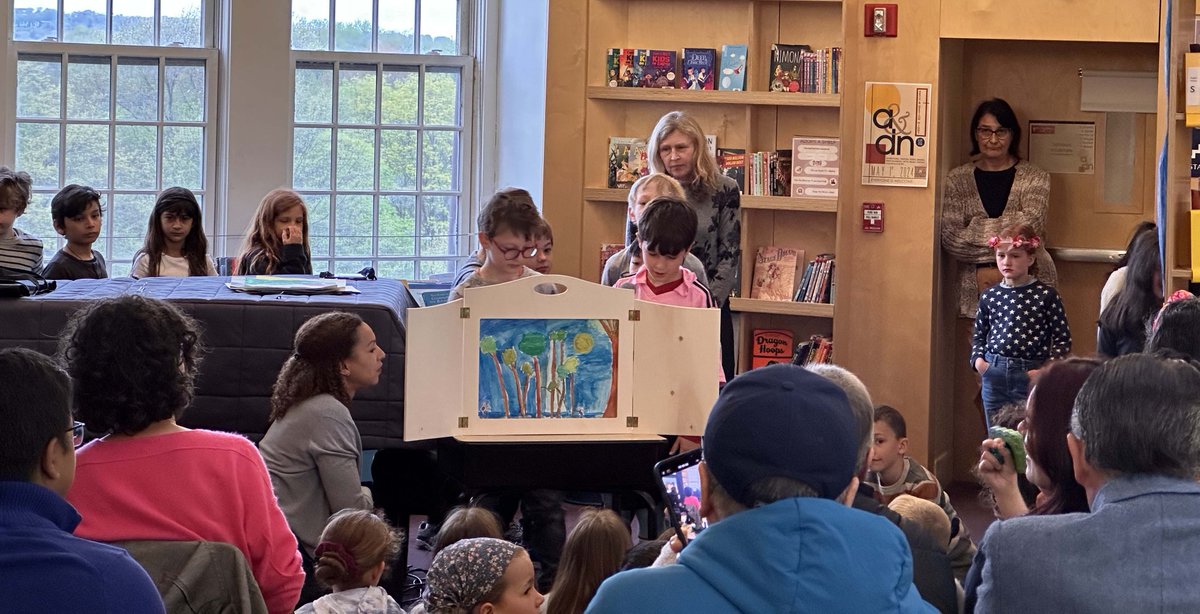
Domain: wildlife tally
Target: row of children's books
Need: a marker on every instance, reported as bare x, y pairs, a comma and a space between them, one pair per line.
794, 68
660, 68
775, 346
808, 170
775, 276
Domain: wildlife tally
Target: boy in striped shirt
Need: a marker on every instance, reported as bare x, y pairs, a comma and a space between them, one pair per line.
20, 252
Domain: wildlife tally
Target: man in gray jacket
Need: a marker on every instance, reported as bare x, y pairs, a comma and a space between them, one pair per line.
1135, 444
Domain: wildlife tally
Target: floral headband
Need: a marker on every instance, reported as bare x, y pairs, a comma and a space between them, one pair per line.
1178, 295
1033, 242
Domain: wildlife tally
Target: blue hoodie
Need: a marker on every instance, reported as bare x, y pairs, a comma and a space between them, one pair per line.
795, 555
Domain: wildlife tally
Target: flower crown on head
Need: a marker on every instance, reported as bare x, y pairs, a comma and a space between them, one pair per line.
1033, 242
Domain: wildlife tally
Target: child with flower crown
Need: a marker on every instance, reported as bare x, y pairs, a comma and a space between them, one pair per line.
1020, 324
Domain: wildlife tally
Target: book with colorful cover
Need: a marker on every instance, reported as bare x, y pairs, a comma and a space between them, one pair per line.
733, 68
774, 273
781, 173
733, 164
786, 67
606, 252
614, 66
699, 69
626, 160
771, 346
815, 167
660, 68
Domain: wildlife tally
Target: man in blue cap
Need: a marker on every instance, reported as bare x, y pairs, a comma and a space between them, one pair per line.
780, 450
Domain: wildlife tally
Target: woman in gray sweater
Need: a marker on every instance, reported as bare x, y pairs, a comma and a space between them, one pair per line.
312, 449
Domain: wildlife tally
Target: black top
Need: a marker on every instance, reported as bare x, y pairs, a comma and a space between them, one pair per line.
65, 266
293, 261
993, 187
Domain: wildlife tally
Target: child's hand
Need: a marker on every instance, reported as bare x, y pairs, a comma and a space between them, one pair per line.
1033, 373
981, 365
291, 236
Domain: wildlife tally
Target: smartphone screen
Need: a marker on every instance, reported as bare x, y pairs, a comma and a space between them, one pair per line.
680, 476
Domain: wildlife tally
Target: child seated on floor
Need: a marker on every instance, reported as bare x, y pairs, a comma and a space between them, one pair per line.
894, 473
508, 228
20, 252
78, 217
466, 522
355, 550
927, 515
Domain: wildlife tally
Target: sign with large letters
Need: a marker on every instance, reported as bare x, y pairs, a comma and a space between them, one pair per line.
896, 134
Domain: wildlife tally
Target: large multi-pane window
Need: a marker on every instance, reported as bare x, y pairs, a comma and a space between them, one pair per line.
382, 133
116, 95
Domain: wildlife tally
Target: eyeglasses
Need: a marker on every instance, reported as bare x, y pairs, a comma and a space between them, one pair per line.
76, 430
986, 134
512, 253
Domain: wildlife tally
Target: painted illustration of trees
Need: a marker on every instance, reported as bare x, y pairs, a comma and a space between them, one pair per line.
487, 345
527, 371
557, 354
510, 359
610, 329
569, 367
534, 345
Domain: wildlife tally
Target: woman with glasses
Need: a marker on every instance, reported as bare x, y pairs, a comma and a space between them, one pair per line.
134, 362
994, 190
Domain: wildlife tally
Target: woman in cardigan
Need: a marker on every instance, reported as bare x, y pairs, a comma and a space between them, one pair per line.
996, 189
677, 148
313, 449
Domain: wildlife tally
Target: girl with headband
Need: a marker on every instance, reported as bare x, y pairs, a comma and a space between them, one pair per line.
355, 549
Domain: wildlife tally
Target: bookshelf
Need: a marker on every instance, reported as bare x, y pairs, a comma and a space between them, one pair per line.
755, 120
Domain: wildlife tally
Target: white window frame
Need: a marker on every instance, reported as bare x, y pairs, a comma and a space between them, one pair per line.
207, 54
468, 162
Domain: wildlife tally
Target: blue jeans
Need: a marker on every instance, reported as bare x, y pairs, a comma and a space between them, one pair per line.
1005, 381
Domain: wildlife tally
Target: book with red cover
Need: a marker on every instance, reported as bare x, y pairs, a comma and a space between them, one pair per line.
769, 347
606, 252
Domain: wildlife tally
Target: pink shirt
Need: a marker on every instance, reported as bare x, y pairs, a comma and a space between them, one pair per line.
189, 486
690, 293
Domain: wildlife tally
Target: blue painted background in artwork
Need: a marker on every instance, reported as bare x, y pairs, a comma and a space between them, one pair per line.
591, 376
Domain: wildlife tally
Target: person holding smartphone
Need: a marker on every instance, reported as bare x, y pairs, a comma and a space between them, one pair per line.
780, 450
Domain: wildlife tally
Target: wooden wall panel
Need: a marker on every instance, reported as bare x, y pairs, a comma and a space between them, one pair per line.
1065, 20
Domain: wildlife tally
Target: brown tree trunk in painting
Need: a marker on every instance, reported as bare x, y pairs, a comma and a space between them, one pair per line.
553, 375
610, 329
520, 393
503, 388
537, 373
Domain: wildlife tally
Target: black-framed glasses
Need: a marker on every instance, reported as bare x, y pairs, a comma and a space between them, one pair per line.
986, 134
512, 253
77, 429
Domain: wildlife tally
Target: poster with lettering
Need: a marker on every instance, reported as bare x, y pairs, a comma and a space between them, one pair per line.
896, 131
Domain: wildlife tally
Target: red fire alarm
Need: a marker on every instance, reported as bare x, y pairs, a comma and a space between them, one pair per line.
879, 20
872, 217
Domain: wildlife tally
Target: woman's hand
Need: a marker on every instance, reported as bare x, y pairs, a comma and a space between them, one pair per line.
997, 472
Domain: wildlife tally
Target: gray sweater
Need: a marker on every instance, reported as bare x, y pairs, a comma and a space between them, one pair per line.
313, 454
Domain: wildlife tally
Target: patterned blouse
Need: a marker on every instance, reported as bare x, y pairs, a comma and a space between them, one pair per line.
1022, 322
719, 234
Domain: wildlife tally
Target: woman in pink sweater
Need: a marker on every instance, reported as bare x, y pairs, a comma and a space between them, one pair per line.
133, 361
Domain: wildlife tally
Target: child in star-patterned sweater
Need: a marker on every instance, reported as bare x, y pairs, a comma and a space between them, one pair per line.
1020, 325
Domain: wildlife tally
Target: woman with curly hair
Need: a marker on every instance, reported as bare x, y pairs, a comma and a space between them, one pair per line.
134, 363
312, 449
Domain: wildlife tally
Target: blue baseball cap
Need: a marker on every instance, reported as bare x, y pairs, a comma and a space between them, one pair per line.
781, 421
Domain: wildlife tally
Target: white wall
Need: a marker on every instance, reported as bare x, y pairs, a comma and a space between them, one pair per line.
520, 108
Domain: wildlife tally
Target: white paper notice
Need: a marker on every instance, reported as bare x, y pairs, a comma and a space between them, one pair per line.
1063, 147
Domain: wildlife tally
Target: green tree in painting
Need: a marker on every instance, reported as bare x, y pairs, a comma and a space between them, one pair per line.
534, 345
487, 345
510, 359
527, 371
557, 353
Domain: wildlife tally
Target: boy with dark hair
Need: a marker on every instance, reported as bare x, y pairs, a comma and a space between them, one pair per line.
19, 251
894, 473
78, 217
666, 233
508, 229
46, 568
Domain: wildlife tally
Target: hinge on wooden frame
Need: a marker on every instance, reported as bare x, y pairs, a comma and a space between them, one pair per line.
635, 315
631, 422
464, 313
463, 422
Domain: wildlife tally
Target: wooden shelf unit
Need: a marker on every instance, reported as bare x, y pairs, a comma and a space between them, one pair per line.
770, 99
782, 308
777, 203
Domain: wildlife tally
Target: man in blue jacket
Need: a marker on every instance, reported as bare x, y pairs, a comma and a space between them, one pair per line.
780, 449
1135, 445
43, 567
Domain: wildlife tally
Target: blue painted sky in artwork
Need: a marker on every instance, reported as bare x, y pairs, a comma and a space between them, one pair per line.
592, 378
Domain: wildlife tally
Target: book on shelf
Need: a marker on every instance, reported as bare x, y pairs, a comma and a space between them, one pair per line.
774, 273
660, 68
733, 164
699, 69
768, 173
626, 160
816, 285
771, 346
817, 350
711, 141
781, 173
606, 251
815, 167
733, 68
623, 69
800, 68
